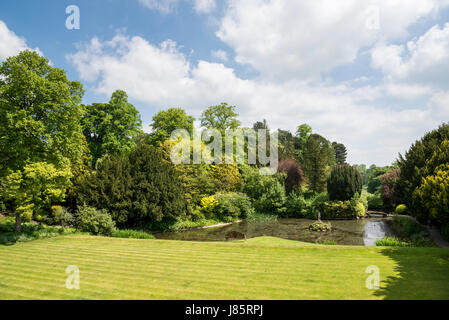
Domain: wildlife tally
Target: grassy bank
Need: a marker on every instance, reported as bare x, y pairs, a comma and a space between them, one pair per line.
260, 268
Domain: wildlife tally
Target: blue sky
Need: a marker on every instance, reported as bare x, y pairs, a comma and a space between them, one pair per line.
369, 74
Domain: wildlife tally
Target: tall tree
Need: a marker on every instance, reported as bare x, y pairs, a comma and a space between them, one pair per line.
340, 152
39, 113
167, 121
40, 116
221, 117
318, 153
302, 134
111, 128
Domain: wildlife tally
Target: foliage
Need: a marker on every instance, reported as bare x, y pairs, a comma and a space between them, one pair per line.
111, 128
375, 202
287, 144
35, 187
373, 177
142, 187
391, 242
413, 168
302, 134
318, 154
134, 234
350, 209
344, 182
261, 217
320, 226
94, 221
30, 231
340, 153
39, 114
273, 198
62, 216
297, 206
294, 175
232, 206
208, 204
401, 209
221, 117
387, 189
433, 195
167, 121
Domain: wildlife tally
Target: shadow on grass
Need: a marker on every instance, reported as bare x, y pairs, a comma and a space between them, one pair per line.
421, 273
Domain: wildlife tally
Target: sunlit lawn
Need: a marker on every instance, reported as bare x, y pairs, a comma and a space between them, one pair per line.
260, 268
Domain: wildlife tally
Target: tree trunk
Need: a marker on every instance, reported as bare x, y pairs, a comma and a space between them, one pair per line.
18, 228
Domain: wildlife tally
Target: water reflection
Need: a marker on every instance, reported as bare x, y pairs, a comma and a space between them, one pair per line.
346, 232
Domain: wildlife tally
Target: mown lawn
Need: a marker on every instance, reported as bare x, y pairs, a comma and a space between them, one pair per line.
261, 268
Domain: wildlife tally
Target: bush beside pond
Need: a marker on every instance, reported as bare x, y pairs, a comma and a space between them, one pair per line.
351, 209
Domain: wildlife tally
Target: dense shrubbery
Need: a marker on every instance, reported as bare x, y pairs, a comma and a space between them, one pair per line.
30, 231
401, 209
94, 221
375, 202
227, 206
344, 182
419, 162
350, 209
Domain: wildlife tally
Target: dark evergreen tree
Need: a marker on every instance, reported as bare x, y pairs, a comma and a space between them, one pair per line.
344, 182
413, 168
295, 177
340, 152
140, 188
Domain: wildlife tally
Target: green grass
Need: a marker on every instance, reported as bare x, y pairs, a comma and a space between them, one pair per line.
260, 268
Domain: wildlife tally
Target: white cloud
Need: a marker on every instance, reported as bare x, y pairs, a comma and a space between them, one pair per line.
10, 43
220, 55
164, 6
204, 6
285, 39
160, 75
423, 61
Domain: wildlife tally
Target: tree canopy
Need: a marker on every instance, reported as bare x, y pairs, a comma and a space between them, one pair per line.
111, 128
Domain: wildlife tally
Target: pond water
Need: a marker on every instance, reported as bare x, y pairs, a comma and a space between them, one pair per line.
346, 232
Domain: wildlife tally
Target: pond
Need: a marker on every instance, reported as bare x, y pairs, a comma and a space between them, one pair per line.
345, 232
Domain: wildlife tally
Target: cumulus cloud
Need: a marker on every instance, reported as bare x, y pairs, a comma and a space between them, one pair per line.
285, 39
220, 55
10, 43
162, 76
204, 6
164, 6
423, 61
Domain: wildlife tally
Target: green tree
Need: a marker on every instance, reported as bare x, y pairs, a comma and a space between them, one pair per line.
318, 154
167, 121
344, 182
340, 152
35, 187
221, 117
135, 189
413, 168
40, 114
111, 128
433, 194
302, 134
